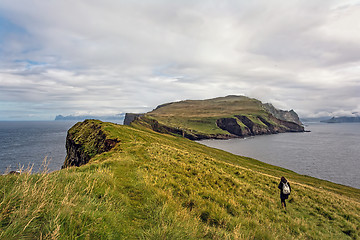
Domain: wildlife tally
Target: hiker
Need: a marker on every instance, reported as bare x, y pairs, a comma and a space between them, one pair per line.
285, 190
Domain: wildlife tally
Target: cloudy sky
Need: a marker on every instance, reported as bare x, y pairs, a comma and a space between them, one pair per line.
107, 57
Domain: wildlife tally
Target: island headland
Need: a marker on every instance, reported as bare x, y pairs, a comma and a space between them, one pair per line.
219, 118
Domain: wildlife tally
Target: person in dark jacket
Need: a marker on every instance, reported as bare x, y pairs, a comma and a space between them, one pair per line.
284, 196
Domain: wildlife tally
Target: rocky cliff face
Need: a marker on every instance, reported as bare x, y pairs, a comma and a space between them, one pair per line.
243, 126
85, 140
130, 117
237, 126
232, 126
189, 134
289, 116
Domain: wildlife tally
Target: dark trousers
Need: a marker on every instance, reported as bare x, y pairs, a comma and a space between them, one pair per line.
283, 197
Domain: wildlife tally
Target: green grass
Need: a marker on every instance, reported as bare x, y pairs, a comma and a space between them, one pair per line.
256, 120
217, 107
205, 125
157, 186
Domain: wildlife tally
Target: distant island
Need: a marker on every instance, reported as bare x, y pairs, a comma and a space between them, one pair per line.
313, 119
342, 120
118, 117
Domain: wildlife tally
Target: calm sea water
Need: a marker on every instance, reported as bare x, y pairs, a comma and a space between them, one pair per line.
28, 143
329, 151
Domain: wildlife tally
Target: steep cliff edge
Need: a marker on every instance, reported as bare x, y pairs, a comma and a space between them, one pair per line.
85, 140
290, 116
130, 117
191, 134
220, 118
243, 126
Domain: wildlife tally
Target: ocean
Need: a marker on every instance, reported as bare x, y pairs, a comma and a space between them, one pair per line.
27, 144
330, 151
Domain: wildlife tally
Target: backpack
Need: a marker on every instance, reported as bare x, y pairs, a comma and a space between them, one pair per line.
286, 188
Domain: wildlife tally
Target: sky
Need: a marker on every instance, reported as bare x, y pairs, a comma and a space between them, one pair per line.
88, 57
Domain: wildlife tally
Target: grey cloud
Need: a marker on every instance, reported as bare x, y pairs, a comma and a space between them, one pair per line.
112, 56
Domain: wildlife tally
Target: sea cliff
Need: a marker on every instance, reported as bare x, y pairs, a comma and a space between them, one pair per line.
85, 140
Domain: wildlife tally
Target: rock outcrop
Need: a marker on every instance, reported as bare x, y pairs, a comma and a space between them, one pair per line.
232, 126
130, 117
187, 133
243, 126
289, 116
85, 140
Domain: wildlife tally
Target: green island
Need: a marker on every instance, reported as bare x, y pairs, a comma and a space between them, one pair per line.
131, 182
220, 118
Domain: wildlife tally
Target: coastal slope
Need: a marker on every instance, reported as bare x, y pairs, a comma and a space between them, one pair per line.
220, 118
150, 185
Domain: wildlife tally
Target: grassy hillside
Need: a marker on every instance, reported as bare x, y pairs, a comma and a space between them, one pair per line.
217, 107
157, 186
